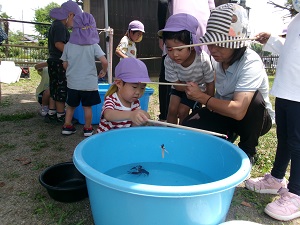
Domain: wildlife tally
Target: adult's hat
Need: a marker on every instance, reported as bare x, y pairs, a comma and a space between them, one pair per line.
62, 12
296, 5
227, 22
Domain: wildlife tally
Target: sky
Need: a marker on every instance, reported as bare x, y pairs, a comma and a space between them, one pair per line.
263, 16
24, 10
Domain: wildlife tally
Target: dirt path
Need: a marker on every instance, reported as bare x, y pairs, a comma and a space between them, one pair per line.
28, 146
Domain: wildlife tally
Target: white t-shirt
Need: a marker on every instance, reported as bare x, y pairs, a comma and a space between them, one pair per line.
287, 79
127, 47
200, 71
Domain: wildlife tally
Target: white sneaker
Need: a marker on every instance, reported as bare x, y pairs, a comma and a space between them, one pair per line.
265, 185
287, 207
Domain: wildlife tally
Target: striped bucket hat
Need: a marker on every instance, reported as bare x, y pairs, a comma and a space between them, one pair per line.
227, 22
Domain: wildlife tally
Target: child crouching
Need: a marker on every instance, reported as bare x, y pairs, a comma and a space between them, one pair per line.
121, 106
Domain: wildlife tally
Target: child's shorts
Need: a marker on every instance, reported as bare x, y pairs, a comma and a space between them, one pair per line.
87, 98
183, 98
57, 80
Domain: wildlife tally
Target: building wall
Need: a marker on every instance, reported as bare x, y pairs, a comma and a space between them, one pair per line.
120, 14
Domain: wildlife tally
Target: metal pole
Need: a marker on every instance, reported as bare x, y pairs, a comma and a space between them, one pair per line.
109, 40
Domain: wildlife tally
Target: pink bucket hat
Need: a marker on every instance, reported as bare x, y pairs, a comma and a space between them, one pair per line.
136, 25
132, 70
62, 12
84, 30
227, 22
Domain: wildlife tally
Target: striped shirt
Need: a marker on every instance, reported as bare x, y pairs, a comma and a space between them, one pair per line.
113, 102
200, 71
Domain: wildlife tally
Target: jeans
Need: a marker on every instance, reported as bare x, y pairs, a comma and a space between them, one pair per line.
287, 115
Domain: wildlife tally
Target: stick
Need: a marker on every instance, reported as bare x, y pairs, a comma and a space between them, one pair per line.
158, 57
186, 128
162, 83
212, 43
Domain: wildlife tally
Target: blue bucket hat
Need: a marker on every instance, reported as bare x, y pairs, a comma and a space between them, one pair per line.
180, 22
132, 70
62, 12
84, 30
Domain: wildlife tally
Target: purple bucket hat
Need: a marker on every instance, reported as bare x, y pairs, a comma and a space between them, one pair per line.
136, 25
62, 12
132, 70
180, 22
84, 30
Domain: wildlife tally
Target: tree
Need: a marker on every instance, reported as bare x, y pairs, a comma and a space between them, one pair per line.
258, 49
287, 6
4, 16
42, 16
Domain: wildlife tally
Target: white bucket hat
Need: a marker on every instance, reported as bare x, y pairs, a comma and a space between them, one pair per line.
227, 22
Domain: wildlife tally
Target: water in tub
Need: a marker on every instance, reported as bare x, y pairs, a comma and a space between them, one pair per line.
159, 173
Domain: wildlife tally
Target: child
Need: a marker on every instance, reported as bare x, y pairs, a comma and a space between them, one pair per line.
122, 106
42, 91
184, 65
126, 47
79, 61
58, 36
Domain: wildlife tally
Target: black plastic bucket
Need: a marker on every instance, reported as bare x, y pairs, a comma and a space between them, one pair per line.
64, 182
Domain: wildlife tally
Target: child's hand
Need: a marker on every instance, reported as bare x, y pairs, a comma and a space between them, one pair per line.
193, 91
139, 117
102, 74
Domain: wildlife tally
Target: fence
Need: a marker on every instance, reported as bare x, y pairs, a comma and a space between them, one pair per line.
270, 62
23, 55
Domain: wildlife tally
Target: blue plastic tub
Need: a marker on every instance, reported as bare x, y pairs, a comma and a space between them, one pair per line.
145, 201
96, 109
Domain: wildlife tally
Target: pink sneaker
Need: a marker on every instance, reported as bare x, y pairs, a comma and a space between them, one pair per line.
265, 185
287, 207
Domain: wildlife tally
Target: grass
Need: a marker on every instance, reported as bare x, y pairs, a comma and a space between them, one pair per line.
265, 156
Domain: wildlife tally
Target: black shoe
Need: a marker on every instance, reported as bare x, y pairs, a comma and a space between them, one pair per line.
69, 129
61, 119
50, 118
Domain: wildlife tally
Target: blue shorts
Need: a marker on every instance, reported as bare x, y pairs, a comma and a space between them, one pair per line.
183, 98
87, 98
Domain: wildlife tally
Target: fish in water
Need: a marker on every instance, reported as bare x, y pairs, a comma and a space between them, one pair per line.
138, 170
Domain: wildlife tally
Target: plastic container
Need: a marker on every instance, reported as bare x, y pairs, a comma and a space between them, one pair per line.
64, 182
115, 200
96, 109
